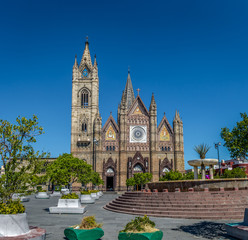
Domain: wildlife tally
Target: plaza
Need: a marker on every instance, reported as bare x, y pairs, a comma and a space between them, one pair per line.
176, 229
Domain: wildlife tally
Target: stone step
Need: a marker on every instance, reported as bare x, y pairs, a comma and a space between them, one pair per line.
219, 207
189, 215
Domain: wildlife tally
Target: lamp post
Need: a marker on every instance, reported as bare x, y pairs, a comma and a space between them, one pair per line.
217, 145
95, 143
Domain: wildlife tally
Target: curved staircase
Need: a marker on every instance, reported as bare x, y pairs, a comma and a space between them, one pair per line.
197, 205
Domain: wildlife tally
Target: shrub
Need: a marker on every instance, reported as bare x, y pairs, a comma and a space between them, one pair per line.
172, 176
70, 196
11, 207
42, 191
39, 188
89, 223
140, 224
235, 173
85, 192
93, 191
57, 188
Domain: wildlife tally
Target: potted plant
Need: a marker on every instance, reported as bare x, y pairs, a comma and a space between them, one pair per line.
41, 194
140, 228
88, 229
86, 197
57, 191
94, 194
22, 169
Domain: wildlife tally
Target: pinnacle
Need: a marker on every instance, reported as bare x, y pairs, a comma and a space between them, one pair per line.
86, 59
128, 92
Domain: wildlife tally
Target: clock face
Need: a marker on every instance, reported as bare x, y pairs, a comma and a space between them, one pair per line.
138, 134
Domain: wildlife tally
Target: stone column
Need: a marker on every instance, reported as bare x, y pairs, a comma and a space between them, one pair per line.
211, 173
195, 172
203, 171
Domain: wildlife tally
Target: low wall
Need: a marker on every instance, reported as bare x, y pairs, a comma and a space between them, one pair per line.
199, 185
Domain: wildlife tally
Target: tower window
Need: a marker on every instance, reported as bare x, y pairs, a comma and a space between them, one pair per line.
85, 99
107, 148
169, 148
113, 148
84, 127
110, 148
162, 148
165, 148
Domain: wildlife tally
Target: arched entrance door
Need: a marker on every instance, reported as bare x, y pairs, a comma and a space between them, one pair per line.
109, 174
110, 179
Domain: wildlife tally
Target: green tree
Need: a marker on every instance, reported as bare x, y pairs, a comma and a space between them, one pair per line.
236, 140
142, 178
172, 176
130, 182
202, 150
95, 179
66, 170
22, 164
235, 173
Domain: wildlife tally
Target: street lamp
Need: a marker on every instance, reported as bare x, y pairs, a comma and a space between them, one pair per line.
95, 143
217, 145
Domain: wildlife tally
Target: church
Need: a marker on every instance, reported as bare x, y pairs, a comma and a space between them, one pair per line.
132, 143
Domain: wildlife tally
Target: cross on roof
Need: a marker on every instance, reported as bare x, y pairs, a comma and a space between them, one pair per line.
87, 38
138, 90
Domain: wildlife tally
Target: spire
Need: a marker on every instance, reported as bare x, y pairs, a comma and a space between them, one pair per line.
177, 116
153, 104
95, 63
75, 63
86, 59
128, 92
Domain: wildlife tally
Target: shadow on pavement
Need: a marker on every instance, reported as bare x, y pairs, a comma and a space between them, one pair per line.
209, 230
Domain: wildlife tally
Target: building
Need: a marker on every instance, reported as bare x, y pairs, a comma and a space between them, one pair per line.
133, 143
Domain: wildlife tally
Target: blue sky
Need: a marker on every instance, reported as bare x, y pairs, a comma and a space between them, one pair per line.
192, 54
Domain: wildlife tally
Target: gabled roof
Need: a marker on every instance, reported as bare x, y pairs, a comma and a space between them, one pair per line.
110, 120
138, 102
166, 122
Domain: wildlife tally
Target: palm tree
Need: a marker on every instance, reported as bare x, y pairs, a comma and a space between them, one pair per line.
202, 150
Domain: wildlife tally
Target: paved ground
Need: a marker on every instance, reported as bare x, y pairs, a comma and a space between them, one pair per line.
176, 229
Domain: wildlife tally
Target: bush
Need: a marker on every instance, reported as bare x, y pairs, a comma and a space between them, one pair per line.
93, 191
172, 176
39, 188
89, 223
85, 192
140, 224
70, 196
11, 207
235, 173
57, 188
42, 191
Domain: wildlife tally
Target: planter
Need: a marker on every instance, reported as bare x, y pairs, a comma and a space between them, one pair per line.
17, 196
98, 194
65, 191
68, 206
82, 234
42, 195
13, 224
158, 235
56, 194
87, 199
94, 196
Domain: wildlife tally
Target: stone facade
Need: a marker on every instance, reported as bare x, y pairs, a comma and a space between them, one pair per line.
135, 143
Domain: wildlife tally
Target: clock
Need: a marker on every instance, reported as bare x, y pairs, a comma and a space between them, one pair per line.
138, 134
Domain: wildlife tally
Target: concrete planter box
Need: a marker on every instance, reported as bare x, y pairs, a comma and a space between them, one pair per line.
13, 224
101, 193
17, 196
68, 206
240, 229
56, 194
81, 234
94, 196
158, 235
87, 199
42, 195
65, 191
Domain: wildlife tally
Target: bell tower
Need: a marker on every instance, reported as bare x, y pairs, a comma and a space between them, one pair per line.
85, 117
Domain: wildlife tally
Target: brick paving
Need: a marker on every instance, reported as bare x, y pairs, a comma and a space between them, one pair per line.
176, 229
